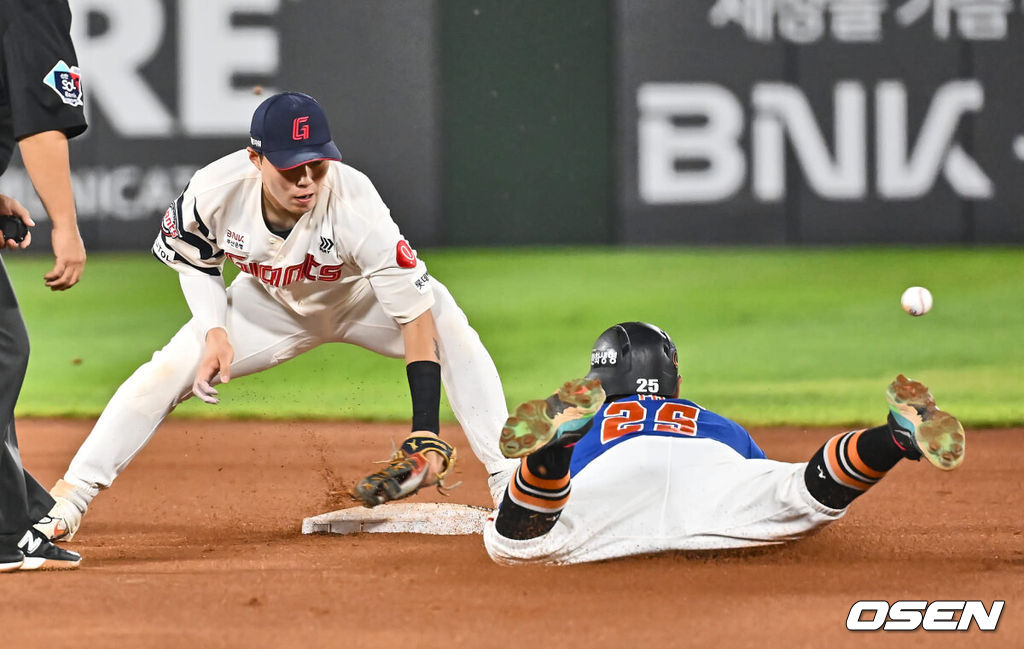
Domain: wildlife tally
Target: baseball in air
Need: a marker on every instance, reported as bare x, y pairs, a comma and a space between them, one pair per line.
916, 300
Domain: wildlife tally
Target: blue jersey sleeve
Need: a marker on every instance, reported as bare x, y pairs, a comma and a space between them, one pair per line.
727, 431
753, 451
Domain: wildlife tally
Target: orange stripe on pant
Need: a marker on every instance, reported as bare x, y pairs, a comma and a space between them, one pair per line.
536, 482
832, 458
533, 502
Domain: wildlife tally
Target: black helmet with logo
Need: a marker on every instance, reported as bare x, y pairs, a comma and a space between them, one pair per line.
635, 358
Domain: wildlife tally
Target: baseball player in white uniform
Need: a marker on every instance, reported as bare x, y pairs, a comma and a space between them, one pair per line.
616, 464
321, 261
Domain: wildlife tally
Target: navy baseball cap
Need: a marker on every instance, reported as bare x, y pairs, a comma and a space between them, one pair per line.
290, 129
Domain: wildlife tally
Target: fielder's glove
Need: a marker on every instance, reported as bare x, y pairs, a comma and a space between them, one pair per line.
406, 471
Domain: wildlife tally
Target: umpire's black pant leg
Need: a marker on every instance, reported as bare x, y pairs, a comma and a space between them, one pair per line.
22, 500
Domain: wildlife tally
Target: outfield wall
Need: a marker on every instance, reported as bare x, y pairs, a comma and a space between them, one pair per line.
493, 122
169, 88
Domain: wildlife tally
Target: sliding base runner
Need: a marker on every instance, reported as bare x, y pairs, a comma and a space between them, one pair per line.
616, 464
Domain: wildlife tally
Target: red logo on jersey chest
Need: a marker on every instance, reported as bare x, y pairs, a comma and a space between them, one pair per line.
300, 129
404, 255
309, 269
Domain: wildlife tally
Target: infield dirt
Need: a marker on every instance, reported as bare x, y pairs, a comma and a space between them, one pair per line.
198, 545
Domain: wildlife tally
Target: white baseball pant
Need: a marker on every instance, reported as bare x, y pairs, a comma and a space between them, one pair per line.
263, 334
653, 494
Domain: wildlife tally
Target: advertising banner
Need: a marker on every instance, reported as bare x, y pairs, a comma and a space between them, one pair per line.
170, 85
820, 121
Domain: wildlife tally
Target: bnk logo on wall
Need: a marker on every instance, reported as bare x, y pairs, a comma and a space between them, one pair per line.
703, 143
690, 142
908, 615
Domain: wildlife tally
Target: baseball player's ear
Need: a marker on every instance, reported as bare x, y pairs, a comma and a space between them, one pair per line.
255, 158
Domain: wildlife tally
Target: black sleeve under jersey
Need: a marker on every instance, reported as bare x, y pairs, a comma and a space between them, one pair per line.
40, 81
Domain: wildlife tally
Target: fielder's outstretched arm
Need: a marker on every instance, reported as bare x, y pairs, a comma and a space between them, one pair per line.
187, 243
208, 300
423, 369
423, 459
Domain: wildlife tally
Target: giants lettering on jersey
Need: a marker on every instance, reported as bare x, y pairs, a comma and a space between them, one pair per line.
276, 276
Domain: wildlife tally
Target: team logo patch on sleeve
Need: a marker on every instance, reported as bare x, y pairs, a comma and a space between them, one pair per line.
169, 224
66, 82
404, 255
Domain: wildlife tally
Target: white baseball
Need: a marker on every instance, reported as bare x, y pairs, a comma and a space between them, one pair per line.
916, 300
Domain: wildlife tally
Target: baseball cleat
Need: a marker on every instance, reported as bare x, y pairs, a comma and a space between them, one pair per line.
11, 559
561, 417
40, 554
64, 518
919, 428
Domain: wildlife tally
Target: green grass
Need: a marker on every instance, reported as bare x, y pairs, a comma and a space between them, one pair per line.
779, 336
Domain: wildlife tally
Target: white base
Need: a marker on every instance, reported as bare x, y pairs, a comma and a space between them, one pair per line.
410, 518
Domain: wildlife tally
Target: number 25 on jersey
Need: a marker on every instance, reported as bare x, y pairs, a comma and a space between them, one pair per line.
627, 417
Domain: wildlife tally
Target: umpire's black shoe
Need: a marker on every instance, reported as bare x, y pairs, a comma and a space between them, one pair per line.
40, 554
10, 559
